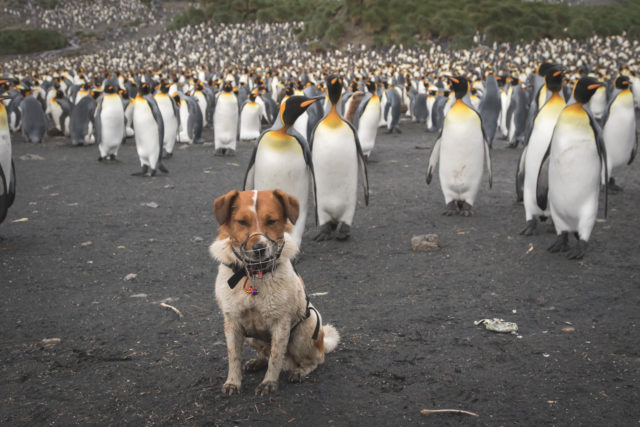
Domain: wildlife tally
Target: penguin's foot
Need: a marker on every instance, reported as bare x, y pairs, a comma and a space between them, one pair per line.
162, 168
152, 172
612, 187
112, 157
230, 152
102, 159
389, 131
531, 228
561, 244
397, 130
220, 152
143, 172
579, 251
452, 208
167, 155
325, 233
343, 231
465, 209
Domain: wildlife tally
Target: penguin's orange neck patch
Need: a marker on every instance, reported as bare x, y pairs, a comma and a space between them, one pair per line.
333, 119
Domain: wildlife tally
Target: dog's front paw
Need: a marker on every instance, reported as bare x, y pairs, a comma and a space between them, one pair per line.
266, 387
230, 388
296, 377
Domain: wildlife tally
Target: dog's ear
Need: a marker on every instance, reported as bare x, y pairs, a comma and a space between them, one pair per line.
222, 206
290, 205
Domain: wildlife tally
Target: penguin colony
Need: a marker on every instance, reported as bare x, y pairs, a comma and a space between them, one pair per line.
260, 84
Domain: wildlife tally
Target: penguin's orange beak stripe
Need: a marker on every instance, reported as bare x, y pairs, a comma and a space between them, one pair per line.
624, 82
334, 81
594, 86
453, 79
557, 73
307, 103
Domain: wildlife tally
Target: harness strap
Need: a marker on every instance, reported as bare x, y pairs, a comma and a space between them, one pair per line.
307, 314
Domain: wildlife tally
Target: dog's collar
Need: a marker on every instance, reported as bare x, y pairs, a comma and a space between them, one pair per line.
240, 272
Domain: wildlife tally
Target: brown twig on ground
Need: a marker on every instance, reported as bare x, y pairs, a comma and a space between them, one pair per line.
162, 304
453, 411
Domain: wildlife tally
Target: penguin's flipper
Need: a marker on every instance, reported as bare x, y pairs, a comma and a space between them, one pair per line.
157, 116
362, 162
11, 191
542, 187
520, 175
487, 155
248, 182
634, 151
602, 153
97, 121
4, 198
361, 107
433, 160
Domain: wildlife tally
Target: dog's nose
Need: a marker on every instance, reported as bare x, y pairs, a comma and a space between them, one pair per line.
259, 248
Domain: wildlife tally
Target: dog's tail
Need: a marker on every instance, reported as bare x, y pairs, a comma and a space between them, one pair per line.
331, 338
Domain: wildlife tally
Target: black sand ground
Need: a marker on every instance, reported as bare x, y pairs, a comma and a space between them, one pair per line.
406, 318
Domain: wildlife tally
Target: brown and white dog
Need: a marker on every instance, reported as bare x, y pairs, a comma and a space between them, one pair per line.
260, 294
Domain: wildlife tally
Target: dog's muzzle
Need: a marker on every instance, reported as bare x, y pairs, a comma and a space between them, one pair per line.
261, 257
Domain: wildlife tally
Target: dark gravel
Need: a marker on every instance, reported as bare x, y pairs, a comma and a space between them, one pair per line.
406, 318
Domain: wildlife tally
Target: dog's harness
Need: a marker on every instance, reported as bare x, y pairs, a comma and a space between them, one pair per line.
240, 271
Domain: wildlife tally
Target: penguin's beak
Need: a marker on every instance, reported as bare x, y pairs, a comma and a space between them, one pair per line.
454, 80
308, 102
594, 86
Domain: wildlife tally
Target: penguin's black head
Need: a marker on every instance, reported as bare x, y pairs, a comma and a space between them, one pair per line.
334, 89
252, 96
299, 85
515, 81
95, 93
293, 107
354, 86
544, 67
226, 87
585, 88
460, 86
623, 82
124, 94
553, 78
59, 94
145, 89
288, 91
371, 86
109, 89
164, 87
177, 99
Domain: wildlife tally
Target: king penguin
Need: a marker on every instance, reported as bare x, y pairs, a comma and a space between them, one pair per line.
250, 119
34, 121
82, 119
282, 159
109, 123
489, 108
336, 155
170, 118
7, 168
225, 121
571, 172
619, 131
149, 132
461, 149
539, 141
367, 118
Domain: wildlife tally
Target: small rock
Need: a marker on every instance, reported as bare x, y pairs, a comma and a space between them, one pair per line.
568, 329
130, 276
138, 296
425, 243
50, 342
87, 243
197, 239
150, 205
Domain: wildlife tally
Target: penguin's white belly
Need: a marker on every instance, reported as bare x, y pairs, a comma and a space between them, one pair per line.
5, 146
146, 133
184, 120
225, 121
430, 101
335, 162
112, 123
56, 112
202, 103
574, 179
619, 132
537, 147
598, 102
461, 158
368, 126
300, 125
250, 122
502, 118
170, 122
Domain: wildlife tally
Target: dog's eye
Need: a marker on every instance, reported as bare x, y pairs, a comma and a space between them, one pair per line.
243, 223
271, 221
